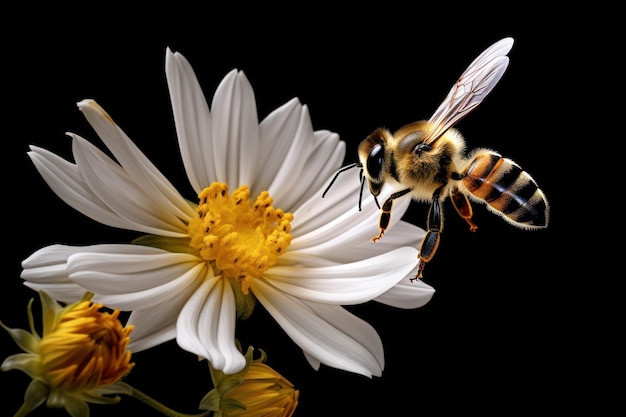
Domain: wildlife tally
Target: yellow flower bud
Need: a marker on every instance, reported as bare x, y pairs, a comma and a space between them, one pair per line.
264, 392
258, 390
79, 359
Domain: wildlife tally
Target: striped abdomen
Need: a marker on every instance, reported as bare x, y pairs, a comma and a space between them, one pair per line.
508, 189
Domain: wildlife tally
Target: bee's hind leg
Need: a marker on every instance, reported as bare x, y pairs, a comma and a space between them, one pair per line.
463, 206
385, 214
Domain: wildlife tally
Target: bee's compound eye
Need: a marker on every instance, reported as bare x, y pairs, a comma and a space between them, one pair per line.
375, 160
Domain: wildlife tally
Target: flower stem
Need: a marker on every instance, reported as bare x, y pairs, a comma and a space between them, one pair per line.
166, 411
23, 411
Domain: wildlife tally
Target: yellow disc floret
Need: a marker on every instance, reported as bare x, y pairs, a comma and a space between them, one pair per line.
242, 240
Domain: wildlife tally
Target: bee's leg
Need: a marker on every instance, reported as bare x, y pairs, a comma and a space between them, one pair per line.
385, 214
430, 243
463, 207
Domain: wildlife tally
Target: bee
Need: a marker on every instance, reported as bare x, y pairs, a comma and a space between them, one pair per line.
428, 161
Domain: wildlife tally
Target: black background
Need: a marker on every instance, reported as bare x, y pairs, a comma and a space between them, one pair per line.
504, 329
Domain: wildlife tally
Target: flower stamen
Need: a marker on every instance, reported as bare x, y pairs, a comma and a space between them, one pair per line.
240, 239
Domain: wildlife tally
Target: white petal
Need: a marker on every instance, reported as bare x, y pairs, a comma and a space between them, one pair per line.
401, 234
193, 121
152, 327
324, 159
292, 258
310, 158
135, 163
407, 294
313, 361
155, 316
50, 261
351, 283
359, 330
119, 191
54, 280
235, 130
330, 334
341, 229
321, 218
320, 210
107, 273
48, 256
66, 292
188, 331
54, 254
130, 282
291, 167
46, 268
206, 326
277, 131
66, 181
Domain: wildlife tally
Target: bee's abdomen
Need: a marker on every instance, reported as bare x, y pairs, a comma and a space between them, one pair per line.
507, 188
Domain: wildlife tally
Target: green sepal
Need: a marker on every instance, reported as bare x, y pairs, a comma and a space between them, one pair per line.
25, 340
170, 244
29, 363
52, 311
245, 302
229, 405
223, 383
211, 401
36, 393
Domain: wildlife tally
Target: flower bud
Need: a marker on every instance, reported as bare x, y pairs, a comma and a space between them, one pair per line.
79, 359
258, 390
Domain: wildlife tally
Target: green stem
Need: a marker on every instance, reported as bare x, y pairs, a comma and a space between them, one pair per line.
23, 411
166, 411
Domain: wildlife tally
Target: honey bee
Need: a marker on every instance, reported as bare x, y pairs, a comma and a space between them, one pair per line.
427, 160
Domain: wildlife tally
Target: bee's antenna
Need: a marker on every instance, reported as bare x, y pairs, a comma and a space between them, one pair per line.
361, 191
347, 167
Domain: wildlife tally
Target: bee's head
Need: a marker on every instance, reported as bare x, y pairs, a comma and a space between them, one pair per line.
372, 157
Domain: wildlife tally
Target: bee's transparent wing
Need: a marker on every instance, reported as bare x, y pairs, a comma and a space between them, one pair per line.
471, 88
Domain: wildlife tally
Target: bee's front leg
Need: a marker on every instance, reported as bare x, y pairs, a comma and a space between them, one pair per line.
430, 243
385, 213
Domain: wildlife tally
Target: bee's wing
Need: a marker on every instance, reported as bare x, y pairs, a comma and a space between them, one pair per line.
471, 88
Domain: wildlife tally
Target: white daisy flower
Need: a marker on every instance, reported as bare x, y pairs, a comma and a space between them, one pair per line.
258, 229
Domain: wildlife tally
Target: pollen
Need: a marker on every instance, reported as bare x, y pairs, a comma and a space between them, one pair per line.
241, 239
86, 349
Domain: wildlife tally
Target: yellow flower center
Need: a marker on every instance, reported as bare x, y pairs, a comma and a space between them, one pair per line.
242, 240
86, 349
